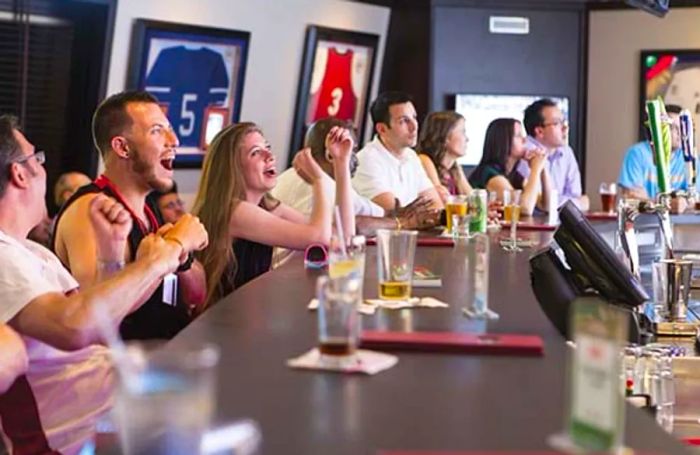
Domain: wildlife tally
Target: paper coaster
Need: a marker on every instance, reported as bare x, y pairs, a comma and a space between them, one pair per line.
369, 306
363, 361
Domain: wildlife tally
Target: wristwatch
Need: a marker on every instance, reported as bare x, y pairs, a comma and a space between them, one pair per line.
185, 266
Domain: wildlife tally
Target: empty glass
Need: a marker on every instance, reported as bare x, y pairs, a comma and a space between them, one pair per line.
165, 398
460, 225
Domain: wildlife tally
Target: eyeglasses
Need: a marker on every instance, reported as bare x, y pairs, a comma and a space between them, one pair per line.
40, 158
174, 205
562, 123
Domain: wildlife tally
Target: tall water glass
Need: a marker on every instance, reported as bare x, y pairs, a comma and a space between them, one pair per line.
396, 251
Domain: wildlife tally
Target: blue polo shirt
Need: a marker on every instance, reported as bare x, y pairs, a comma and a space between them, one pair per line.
638, 170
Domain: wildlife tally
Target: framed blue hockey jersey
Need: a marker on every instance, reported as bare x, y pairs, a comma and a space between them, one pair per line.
197, 74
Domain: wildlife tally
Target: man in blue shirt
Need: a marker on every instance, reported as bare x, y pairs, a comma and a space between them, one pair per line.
638, 173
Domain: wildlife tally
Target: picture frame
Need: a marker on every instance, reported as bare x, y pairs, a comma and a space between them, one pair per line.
674, 75
336, 80
197, 74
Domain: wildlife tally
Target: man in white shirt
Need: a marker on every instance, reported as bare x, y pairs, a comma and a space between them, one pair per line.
389, 169
67, 386
294, 190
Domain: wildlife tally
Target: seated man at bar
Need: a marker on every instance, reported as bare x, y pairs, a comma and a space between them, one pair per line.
67, 184
169, 203
13, 358
547, 130
138, 146
68, 383
389, 171
294, 188
637, 178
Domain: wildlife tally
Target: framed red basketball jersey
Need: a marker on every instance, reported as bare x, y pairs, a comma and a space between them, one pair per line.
336, 80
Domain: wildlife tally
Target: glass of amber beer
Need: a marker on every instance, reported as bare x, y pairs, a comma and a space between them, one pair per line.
456, 205
395, 253
338, 319
608, 192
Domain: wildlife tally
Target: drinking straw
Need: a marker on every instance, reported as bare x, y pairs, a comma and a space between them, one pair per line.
341, 236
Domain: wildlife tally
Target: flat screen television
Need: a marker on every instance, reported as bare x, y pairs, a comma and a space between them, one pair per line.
481, 109
592, 259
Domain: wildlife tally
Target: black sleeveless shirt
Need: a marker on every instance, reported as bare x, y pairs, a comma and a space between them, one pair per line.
154, 319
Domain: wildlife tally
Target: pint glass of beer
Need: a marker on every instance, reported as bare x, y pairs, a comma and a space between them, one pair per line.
456, 205
607, 197
395, 253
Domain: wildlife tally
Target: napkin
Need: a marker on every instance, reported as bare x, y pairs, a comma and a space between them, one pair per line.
413, 302
366, 362
369, 306
363, 308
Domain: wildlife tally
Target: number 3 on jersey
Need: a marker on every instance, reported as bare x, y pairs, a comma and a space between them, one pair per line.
336, 98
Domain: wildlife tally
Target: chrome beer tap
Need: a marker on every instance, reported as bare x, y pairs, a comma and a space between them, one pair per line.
627, 213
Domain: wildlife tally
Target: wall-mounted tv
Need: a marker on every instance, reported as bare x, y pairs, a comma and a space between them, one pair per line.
481, 109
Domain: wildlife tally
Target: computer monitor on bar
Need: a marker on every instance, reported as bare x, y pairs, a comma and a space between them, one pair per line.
582, 263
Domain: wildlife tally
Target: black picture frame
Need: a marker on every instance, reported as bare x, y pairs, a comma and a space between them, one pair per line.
354, 56
197, 73
673, 74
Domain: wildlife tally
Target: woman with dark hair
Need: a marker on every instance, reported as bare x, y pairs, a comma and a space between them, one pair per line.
245, 221
504, 147
443, 140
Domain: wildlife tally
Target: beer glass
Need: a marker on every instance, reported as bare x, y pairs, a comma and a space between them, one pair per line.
395, 253
338, 319
607, 197
511, 212
456, 205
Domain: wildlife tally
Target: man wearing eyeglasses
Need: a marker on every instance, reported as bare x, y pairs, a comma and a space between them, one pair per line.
53, 407
171, 206
547, 129
138, 146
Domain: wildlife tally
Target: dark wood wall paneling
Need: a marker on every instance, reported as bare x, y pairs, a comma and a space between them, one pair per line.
66, 77
550, 60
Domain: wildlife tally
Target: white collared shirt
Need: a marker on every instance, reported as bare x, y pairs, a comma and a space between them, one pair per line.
293, 191
379, 171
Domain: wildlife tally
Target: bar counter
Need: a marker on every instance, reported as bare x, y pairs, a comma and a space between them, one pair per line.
428, 401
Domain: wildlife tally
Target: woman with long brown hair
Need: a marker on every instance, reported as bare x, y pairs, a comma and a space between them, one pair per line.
442, 141
245, 222
504, 147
